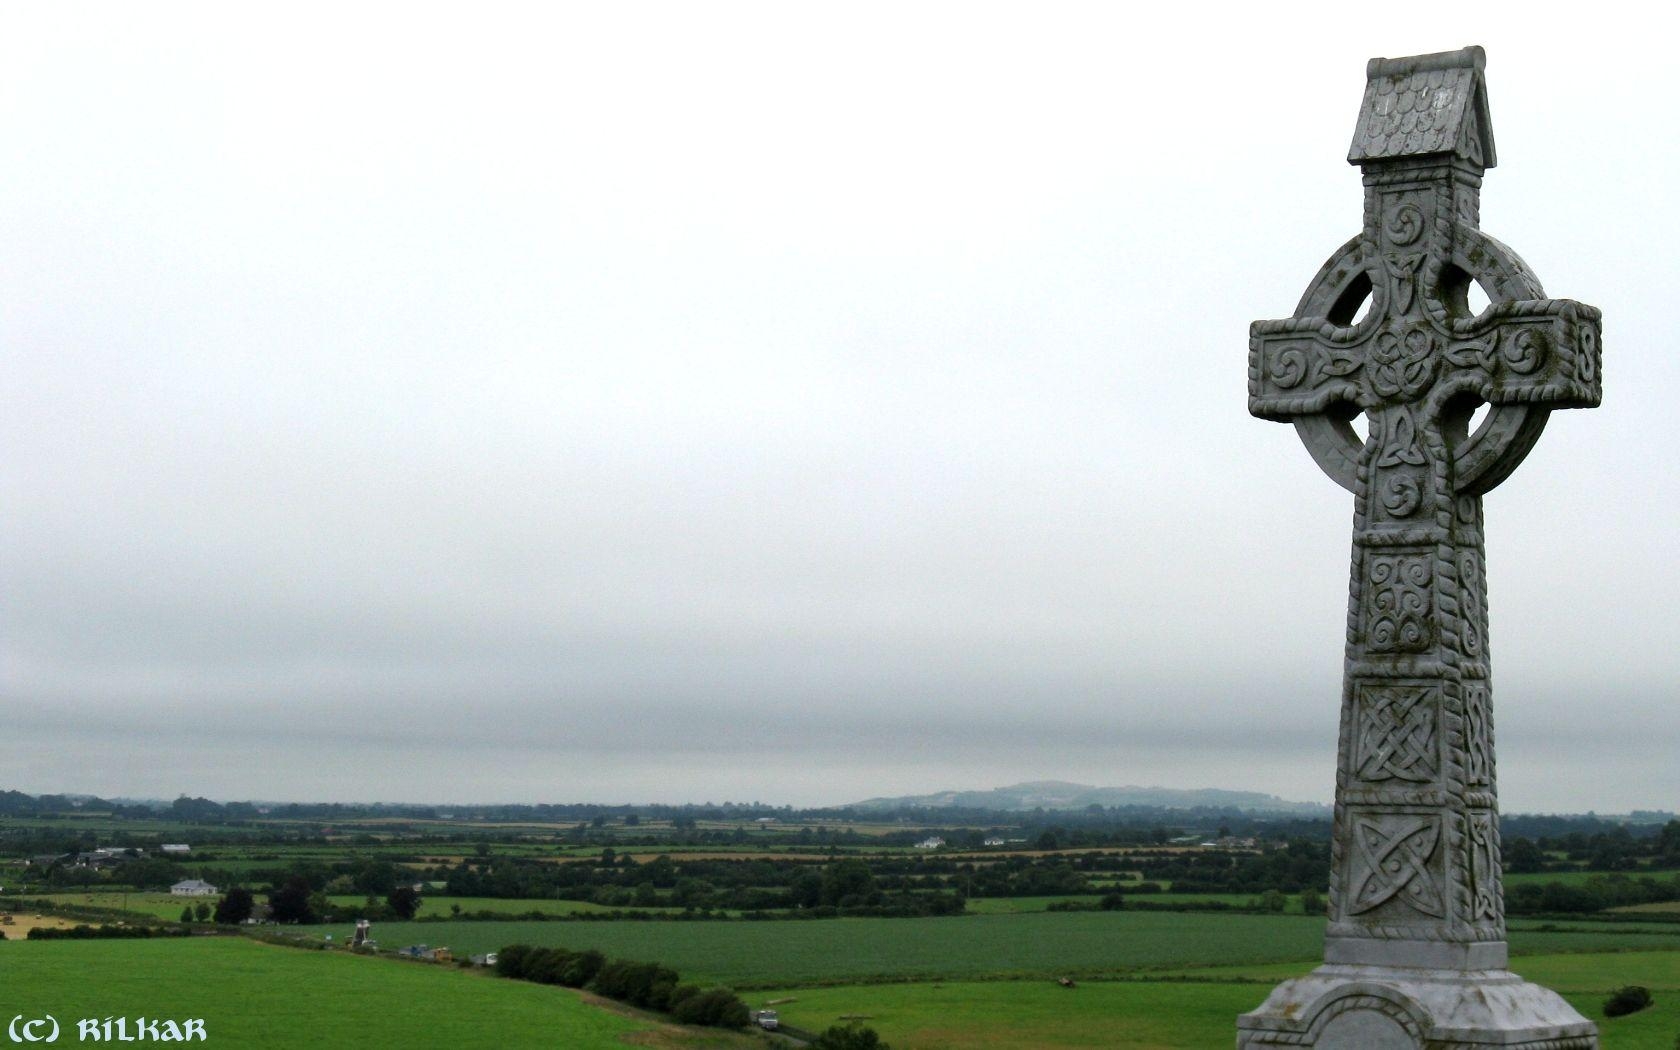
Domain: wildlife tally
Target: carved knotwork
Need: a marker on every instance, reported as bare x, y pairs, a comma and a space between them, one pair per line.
1478, 736
1403, 364
1487, 902
1470, 590
1397, 734
1394, 862
1400, 444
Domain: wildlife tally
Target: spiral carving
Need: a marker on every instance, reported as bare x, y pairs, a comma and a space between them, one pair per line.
1400, 604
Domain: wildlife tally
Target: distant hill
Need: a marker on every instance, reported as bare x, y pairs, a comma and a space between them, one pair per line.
1056, 794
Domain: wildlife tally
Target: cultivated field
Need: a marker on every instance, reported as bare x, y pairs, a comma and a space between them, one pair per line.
1044, 944
1140, 901
24, 921
747, 954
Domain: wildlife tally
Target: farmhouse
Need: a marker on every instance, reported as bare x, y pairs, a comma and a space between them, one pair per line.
931, 842
192, 888
995, 840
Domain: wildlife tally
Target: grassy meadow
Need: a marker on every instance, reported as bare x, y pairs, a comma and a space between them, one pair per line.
1192, 1009
248, 993
153, 905
252, 995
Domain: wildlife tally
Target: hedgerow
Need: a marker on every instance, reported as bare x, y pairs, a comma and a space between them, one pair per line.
652, 986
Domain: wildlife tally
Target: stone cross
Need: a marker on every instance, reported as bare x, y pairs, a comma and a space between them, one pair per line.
1386, 329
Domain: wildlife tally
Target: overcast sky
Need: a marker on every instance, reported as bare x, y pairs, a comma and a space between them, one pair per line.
782, 402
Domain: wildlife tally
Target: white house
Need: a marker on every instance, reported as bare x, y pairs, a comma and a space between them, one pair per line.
175, 847
995, 840
193, 888
931, 842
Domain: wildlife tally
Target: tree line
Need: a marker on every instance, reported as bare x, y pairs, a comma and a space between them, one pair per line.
651, 986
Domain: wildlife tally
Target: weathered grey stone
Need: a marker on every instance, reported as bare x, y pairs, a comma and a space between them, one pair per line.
1415, 949
1370, 1007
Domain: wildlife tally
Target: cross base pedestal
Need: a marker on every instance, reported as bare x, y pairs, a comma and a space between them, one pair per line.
1353, 1007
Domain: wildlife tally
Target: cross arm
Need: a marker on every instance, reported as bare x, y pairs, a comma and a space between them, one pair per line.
1542, 352
1300, 366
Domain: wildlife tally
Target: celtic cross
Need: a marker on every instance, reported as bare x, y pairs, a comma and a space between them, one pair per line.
1386, 329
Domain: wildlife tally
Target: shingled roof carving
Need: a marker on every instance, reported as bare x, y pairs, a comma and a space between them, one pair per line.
1428, 104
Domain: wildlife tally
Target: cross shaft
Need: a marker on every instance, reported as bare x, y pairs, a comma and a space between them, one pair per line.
1416, 870
1415, 949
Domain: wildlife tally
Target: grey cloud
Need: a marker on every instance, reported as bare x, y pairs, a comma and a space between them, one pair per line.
572, 421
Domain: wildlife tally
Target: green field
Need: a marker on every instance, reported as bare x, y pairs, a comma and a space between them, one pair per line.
1011, 905
1137, 1015
1196, 1011
1579, 878
439, 907
749, 954
1664, 908
744, 954
156, 905
166, 906
1145, 980
257, 995
1572, 971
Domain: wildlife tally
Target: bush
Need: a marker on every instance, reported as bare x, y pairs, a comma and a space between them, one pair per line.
1631, 999
235, 906
510, 961
682, 992
639, 984
648, 985
659, 993
85, 932
611, 981
849, 1037
716, 1007
545, 965
582, 968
